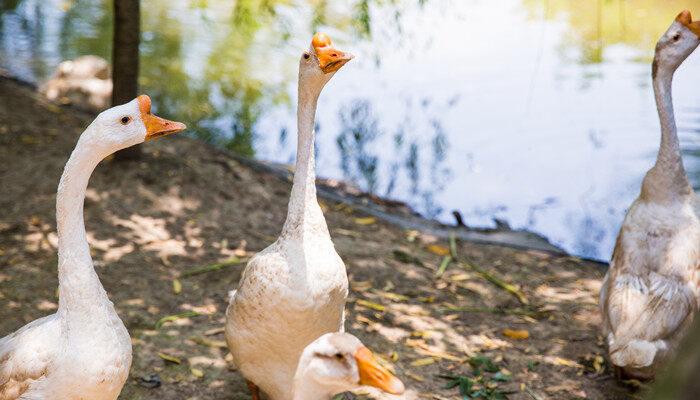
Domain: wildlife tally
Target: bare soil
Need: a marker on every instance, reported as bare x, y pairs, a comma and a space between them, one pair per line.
186, 205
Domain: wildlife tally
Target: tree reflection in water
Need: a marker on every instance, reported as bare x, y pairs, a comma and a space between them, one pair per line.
362, 157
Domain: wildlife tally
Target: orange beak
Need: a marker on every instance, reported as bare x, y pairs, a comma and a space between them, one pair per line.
687, 20
330, 59
156, 126
373, 374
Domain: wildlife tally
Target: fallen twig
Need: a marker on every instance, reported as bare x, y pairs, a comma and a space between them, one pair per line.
453, 245
495, 280
208, 343
174, 317
443, 266
404, 257
214, 267
469, 263
531, 393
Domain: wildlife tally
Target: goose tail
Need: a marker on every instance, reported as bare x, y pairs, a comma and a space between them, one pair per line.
635, 359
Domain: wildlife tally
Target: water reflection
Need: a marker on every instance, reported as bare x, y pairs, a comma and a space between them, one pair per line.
422, 166
594, 25
536, 112
357, 134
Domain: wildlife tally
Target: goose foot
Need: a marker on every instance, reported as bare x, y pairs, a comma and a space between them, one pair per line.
254, 389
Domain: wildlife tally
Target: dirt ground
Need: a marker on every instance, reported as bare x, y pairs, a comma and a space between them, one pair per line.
185, 206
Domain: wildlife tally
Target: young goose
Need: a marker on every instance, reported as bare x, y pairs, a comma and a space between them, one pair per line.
338, 362
83, 351
293, 291
650, 293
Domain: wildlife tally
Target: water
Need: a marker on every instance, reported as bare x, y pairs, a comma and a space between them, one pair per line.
535, 112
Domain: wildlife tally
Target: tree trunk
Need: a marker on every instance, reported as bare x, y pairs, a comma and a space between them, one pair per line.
681, 379
125, 60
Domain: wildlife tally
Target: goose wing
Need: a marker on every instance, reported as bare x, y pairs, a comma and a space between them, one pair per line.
25, 356
638, 302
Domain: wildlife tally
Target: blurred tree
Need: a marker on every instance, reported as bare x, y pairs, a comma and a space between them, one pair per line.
125, 60
680, 380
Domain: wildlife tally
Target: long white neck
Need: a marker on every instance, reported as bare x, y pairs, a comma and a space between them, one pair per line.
304, 213
78, 284
667, 179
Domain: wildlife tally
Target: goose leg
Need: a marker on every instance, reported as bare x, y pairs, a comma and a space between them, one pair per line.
254, 389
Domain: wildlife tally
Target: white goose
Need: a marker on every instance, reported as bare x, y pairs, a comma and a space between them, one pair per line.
293, 291
83, 351
650, 293
338, 362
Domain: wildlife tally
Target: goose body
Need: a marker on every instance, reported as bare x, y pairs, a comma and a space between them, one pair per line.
651, 291
83, 351
293, 291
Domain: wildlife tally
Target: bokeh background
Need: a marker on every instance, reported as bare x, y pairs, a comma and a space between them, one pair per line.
536, 112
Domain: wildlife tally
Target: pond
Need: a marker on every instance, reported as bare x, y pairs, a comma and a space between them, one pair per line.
535, 112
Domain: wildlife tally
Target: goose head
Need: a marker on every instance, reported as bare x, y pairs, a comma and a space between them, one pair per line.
681, 38
126, 125
337, 362
320, 62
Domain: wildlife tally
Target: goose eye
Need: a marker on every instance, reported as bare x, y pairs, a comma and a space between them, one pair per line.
306, 56
676, 37
125, 120
339, 357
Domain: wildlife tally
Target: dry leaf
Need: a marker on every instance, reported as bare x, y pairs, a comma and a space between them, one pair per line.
370, 304
438, 354
423, 361
561, 388
169, 358
165, 261
598, 364
208, 343
214, 331
196, 372
323, 205
395, 296
177, 286
412, 235
568, 363
365, 221
516, 334
347, 232
439, 250
394, 356
361, 286
410, 375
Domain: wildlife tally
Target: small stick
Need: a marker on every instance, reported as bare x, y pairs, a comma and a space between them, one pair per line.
453, 245
214, 267
531, 393
491, 278
174, 317
443, 266
496, 281
209, 343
